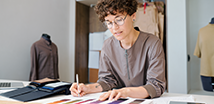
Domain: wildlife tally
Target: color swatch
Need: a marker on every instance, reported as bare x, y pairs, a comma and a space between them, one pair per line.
70, 102
60, 101
80, 101
137, 101
118, 101
96, 102
84, 101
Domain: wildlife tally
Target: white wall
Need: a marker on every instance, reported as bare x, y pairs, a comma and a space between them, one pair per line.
22, 22
184, 19
176, 46
199, 14
68, 74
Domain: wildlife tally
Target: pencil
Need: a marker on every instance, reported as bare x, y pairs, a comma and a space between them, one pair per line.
77, 83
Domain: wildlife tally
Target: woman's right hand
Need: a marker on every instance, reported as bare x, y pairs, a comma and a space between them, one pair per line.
82, 89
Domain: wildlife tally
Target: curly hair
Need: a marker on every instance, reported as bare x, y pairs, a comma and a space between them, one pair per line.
105, 7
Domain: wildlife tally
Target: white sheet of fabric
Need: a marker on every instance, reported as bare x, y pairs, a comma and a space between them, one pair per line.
166, 100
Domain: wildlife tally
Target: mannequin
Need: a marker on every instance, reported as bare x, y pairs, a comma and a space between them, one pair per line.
44, 59
212, 21
204, 49
47, 37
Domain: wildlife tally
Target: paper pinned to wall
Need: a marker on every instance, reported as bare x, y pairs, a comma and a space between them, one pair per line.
96, 40
93, 59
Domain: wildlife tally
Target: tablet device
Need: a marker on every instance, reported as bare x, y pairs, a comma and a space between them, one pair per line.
180, 102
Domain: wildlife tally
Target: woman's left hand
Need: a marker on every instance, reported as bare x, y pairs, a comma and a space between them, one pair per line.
114, 94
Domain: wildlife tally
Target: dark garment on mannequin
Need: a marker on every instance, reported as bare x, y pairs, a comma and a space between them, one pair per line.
46, 37
212, 21
207, 83
44, 60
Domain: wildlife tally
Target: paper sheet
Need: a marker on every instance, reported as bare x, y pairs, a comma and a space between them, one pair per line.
96, 40
93, 59
90, 98
165, 100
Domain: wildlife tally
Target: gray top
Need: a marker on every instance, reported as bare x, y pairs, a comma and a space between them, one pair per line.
141, 65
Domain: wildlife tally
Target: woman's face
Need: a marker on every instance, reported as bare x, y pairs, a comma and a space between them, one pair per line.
120, 30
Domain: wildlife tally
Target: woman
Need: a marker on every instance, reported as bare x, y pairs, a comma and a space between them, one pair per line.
132, 62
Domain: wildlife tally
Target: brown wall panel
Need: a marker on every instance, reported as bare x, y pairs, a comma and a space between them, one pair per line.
95, 25
81, 42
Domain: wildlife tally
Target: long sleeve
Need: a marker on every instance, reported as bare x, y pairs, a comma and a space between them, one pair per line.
56, 72
34, 65
156, 82
106, 77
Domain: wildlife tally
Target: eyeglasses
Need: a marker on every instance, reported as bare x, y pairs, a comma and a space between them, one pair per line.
119, 21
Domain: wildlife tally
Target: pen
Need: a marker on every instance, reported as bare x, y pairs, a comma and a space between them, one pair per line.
77, 83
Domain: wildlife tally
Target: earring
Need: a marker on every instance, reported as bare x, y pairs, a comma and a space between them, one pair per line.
133, 20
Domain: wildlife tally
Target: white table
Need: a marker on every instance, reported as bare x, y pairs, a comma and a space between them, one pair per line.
164, 99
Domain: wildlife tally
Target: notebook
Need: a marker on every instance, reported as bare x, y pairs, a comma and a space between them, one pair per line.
10, 85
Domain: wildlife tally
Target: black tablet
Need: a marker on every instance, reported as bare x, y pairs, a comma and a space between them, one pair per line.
179, 102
